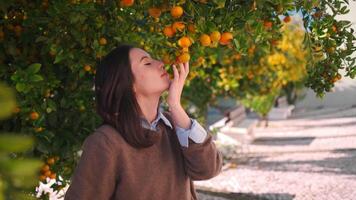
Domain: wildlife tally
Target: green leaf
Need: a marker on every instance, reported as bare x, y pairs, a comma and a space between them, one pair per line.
41, 39
36, 78
7, 101
59, 57
21, 87
15, 143
34, 68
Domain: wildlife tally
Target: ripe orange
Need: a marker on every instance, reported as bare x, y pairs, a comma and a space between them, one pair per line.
154, 12
103, 41
215, 36
45, 168
334, 28
42, 178
237, 56
87, 68
226, 38
251, 50
39, 129
184, 57
178, 26
287, 19
330, 50
53, 176
50, 161
34, 115
191, 28
267, 24
205, 40
176, 11
184, 42
47, 173
127, 3
274, 42
168, 31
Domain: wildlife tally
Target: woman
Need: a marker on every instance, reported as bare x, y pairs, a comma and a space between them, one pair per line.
139, 152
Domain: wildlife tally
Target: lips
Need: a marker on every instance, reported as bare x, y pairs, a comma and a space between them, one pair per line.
164, 74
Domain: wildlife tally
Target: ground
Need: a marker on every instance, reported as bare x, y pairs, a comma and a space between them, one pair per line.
310, 156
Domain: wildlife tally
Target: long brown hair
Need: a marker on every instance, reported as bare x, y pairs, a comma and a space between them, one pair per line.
116, 102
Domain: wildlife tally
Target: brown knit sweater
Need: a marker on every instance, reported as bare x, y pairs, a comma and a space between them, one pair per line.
110, 168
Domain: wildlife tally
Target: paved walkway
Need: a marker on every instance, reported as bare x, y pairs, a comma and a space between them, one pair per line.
311, 156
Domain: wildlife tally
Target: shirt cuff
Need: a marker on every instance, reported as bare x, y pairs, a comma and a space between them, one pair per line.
196, 133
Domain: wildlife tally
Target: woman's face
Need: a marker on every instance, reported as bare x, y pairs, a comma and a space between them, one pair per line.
150, 77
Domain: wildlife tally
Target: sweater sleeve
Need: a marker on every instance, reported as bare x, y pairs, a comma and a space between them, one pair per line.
95, 174
202, 160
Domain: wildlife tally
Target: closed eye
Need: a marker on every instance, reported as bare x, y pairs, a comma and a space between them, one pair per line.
148, 64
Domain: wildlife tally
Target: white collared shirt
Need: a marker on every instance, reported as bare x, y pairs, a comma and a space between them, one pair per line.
196, 132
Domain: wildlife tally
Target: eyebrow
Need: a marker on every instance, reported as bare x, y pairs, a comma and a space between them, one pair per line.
143, 58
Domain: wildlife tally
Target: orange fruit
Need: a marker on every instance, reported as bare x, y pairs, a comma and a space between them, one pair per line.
168, 31
34, 115
184, 42
287, 19
334, 28
336, 78
42, 178
103, 41
178, 26
127, 3
45, 168
184, 57
176, 11
53, 176
330, 50
87, 68
50, 161
191, 28
274, 42
237, 56
251, 50
215, 36
154, 12
47, 173
267, 24
39, 129
205, 40
226, 38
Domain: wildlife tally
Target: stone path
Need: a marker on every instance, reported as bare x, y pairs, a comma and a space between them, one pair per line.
311, 156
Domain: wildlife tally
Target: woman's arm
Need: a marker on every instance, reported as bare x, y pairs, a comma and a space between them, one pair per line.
202, 160
201, 157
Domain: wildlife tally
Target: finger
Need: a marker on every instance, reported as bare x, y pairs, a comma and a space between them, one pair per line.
181, 70
186, 67
175, 72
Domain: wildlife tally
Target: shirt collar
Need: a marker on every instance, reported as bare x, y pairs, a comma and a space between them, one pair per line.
153, 125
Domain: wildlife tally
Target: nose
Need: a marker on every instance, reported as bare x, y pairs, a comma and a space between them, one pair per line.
160, 64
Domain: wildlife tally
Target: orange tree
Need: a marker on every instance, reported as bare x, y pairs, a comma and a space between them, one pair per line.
49, 51
284, 65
